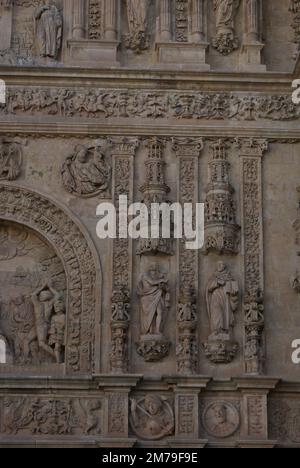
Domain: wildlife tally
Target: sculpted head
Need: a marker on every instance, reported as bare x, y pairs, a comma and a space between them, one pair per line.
220, 412
153, 404
59, 306
81, 154
45, 295
221, 267
154, 270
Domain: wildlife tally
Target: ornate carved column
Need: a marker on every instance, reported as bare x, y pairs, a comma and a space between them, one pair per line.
197, 20
250, 56
6, 14
79, 19
251, 153
165, 21
123, 152
111, 21
187, 151
100, 45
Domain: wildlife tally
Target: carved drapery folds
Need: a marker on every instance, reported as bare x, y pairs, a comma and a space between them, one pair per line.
187, 151
222, 296
11, 159
48, 30
154, 294
123, 151
137, 13
222, 234
155, 190
87, 173
225, 13
30, 209
251, 152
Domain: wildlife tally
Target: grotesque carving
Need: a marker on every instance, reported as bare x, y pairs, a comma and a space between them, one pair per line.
120, 318
154, 295
87, 173
295, 9
221, 419
137, 39
48, 30
152, 417
225, 10
222, 295
155, 190
10, 160
221, 230
187, 351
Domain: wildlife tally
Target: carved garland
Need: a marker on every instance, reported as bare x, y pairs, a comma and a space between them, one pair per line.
26, 207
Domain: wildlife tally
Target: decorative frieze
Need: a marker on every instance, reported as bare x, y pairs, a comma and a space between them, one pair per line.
99, 103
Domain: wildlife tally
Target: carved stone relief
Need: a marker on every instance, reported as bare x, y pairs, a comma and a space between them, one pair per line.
152, 417
51, 416
96, 19
220, 419
155, 190
11, 159
284, 420
137, 12
48, 30
295, 10
222, 234
32, 298
103, 103
222, 295
87, 172
46, 219
153, 291
225, 12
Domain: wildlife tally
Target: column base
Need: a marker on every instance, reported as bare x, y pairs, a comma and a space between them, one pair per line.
250, 58
182, 56
92, 53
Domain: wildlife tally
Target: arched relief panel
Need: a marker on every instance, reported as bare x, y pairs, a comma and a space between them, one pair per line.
30, 221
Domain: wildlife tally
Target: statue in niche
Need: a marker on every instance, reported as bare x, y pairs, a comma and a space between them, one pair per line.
49, 312
48, 30
86, 173
137, 38
10, 161
153, 291
225, 11
222, 296
152, 417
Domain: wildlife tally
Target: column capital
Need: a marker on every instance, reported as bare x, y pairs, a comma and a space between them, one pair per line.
252, 147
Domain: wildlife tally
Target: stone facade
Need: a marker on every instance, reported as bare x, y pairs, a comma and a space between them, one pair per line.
169, 100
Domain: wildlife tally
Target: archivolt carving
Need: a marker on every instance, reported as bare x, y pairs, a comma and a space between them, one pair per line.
80, 262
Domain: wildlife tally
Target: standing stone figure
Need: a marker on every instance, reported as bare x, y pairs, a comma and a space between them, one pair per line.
155, 298
47, 303
137, 39
222, 296
225, 11
222, 301
154, 295
48, 30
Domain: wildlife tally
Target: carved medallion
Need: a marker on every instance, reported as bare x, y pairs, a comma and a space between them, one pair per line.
221, 419
152, 417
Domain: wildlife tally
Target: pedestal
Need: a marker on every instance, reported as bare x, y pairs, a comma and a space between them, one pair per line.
182, 55
92, 53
